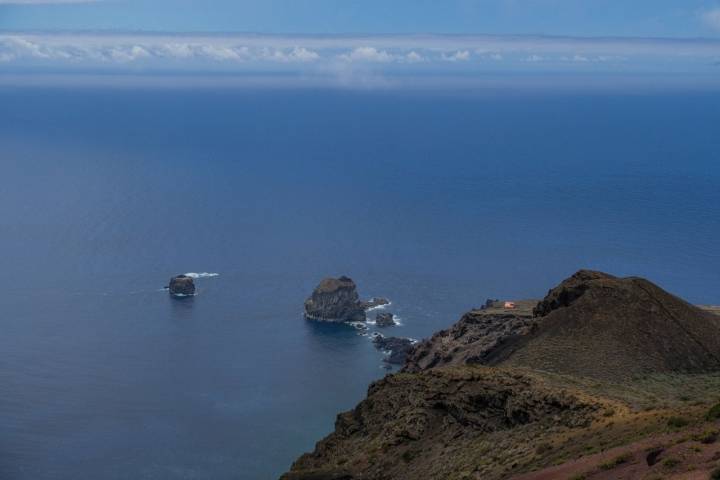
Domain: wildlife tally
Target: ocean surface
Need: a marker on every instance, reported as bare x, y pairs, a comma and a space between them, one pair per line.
436, 201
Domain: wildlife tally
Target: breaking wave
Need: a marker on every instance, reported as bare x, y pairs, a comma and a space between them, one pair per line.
201, 275
358, 325
379, 307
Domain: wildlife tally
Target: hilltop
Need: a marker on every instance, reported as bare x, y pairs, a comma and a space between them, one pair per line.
597, 325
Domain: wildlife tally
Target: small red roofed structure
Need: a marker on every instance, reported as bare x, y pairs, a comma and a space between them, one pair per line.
509, 305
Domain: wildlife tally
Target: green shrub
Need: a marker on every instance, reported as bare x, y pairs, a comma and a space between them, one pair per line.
677, 422
543, 448
707, 437
408, 456
714, 412
671, 462
617, 461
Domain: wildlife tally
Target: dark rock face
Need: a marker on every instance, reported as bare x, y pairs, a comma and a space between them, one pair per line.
398, 348
335, 300
181, 286
490, 303
653, 456
385, 320
319, 475
375, 302
473, 339
568, 291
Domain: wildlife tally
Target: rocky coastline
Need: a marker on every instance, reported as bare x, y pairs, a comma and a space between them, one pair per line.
397, 348
575, 385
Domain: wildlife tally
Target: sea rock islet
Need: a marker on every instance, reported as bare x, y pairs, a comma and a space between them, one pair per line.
181, 286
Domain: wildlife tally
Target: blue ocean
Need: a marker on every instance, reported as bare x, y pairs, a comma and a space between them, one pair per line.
434, 200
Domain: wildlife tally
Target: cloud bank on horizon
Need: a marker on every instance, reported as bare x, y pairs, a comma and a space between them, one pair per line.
353, 58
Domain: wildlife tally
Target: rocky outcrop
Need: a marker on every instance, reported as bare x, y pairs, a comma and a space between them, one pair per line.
181, 286
375, 302
490, 303
385, 320
472, 339
396, 347
568, 291
335, 300
437, 423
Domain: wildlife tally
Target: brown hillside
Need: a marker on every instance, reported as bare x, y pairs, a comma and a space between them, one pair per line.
433, 424
597, 325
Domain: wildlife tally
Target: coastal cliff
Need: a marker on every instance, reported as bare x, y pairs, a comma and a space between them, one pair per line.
472, 339
577, 385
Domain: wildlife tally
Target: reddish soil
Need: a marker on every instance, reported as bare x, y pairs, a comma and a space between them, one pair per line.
683, 457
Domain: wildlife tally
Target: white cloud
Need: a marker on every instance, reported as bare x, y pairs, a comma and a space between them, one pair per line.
218, 52
19, 47
15, 47
534, 58
347, 55
459, 56
367, 54
301, 54
712, 18
414, 57
127, 54
176, 50
577, 59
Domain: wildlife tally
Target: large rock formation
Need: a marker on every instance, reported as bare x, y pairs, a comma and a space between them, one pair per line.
335, 300
181, 286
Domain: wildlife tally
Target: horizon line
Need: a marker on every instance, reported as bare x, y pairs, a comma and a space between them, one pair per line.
712, 39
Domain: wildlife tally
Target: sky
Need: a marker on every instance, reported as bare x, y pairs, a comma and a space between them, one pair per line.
645, 18
368, 42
